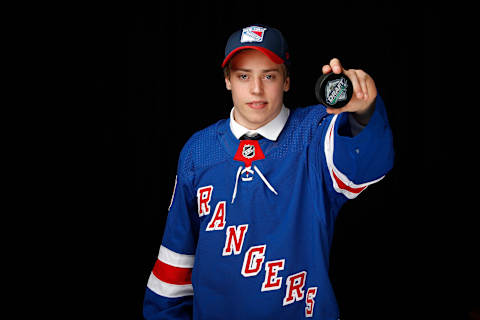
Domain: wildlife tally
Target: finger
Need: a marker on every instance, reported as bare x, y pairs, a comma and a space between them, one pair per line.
357, 89
336, 110
372, 89
362, 79
326, 69
336, 66
332, 110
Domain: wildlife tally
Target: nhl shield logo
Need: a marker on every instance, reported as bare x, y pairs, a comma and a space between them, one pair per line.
252, 34
336, 90
248, 151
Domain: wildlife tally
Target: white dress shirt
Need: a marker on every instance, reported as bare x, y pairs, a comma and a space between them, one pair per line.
271, 130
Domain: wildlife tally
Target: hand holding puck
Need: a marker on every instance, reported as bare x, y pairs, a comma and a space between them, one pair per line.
334, 90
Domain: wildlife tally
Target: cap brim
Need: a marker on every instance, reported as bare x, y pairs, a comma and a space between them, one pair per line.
265, 51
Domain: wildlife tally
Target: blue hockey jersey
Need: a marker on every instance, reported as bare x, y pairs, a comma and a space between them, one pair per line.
250, 225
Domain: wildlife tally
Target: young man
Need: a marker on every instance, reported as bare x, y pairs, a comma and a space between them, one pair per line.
251, 221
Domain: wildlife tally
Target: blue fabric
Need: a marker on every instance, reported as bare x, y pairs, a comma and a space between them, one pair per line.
156, 307
296, 225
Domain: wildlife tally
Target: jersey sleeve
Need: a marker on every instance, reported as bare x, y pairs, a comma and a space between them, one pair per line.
169, 293
351, 163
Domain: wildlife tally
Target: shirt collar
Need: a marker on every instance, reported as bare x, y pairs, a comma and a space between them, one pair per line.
271, 130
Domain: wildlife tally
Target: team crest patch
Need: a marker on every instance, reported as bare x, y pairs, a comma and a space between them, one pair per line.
253, 34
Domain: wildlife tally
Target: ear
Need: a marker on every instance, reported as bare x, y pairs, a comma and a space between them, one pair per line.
286, 84
228, 83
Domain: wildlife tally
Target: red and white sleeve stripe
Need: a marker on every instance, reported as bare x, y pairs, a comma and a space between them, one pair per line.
341, 183
172, 274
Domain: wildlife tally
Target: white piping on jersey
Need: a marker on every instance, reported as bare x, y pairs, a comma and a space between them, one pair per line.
241, 170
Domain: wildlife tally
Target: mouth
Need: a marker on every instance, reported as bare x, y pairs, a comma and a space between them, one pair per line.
257, 104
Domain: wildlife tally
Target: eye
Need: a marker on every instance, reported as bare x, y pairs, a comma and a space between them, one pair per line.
243, 76
269, 77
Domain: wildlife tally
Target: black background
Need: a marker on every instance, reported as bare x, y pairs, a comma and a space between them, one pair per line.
158, 79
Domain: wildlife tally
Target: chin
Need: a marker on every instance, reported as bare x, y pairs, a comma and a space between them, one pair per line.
256, 117
257, 122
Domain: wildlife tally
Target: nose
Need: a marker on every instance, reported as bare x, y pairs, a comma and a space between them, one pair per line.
256, 86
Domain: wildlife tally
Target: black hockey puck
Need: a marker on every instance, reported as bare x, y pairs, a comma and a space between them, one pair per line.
334, 90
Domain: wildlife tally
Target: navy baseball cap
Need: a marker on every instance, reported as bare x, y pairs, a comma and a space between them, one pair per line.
267, 40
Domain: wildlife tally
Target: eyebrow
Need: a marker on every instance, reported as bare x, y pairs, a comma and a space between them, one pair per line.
249, 70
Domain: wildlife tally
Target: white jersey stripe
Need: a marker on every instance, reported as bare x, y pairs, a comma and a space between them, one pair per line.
345, 186
175, 259
168, 290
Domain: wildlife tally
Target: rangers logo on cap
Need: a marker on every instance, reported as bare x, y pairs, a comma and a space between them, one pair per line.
252, 34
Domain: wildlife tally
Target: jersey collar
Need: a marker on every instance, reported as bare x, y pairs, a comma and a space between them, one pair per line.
271, 130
